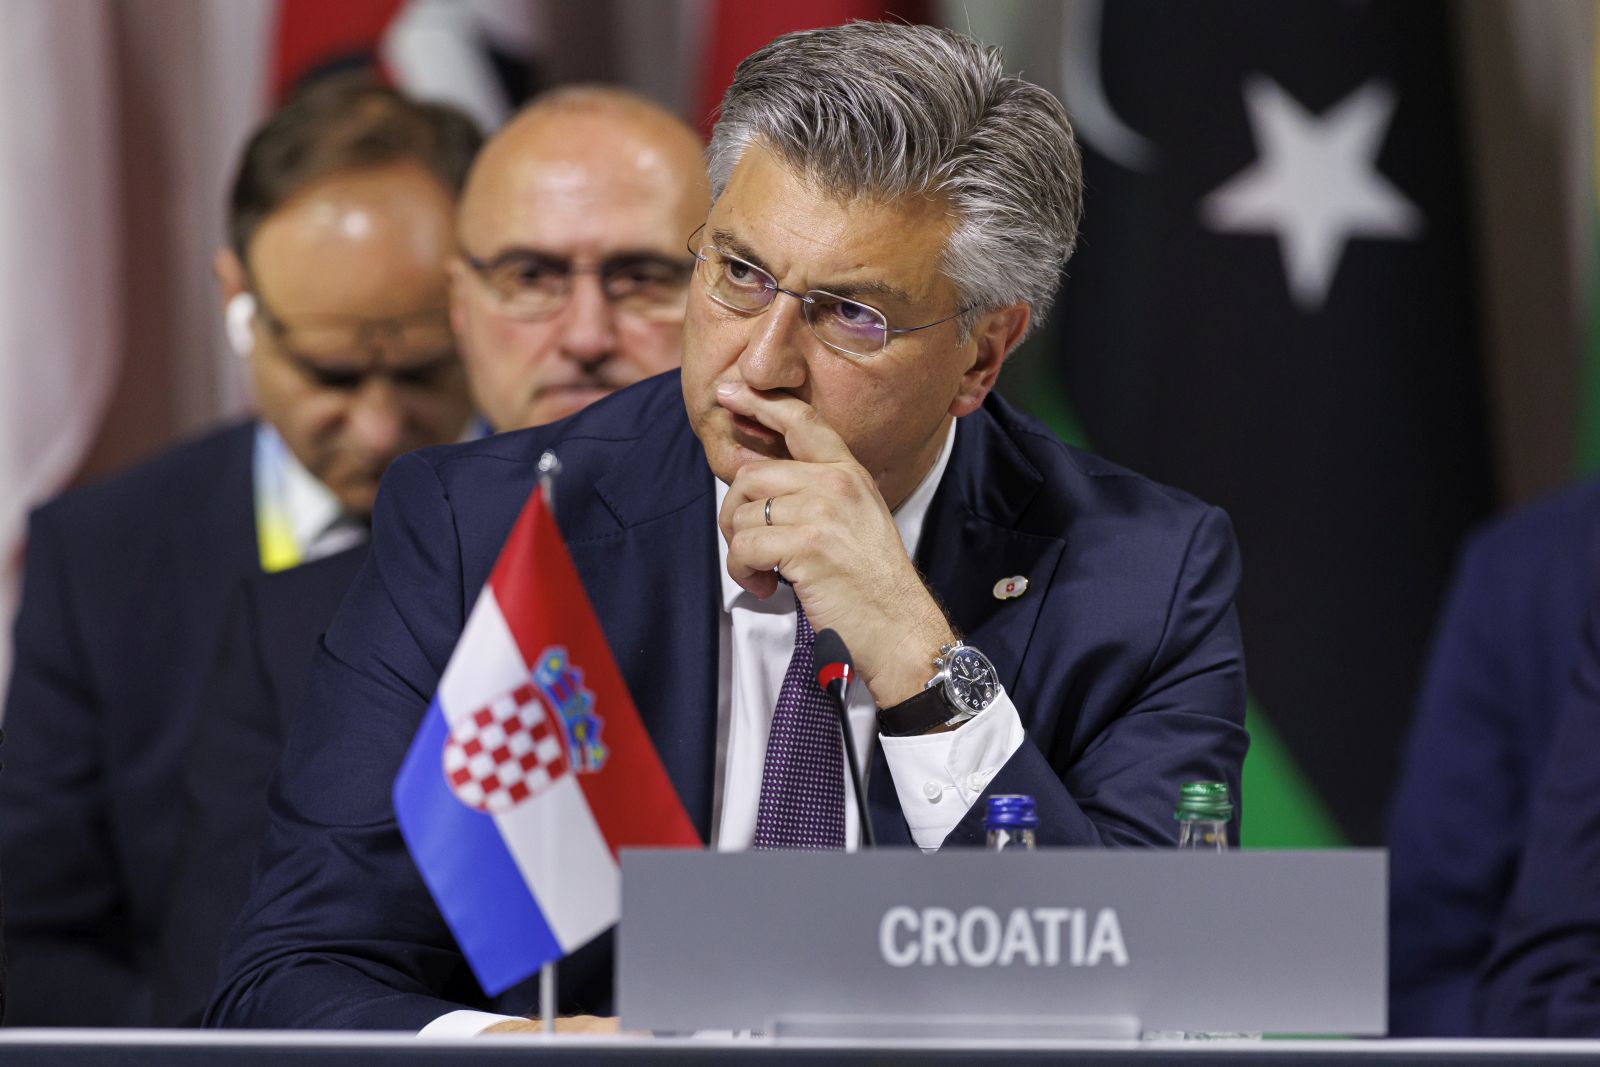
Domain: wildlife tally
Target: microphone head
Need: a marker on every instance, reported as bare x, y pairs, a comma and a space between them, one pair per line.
833, 662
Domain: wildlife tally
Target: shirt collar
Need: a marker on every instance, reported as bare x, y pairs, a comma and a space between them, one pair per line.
311, 514
908, 518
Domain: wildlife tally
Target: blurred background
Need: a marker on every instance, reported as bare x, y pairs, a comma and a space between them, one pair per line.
1335, 273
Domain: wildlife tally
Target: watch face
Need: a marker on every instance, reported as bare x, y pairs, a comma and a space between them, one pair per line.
973, 683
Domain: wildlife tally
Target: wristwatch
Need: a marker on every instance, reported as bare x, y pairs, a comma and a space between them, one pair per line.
965, 684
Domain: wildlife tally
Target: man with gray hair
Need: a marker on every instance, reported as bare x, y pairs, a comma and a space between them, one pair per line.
890, 214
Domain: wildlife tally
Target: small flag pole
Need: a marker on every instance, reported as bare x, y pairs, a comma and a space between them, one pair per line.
549, 467
547, 998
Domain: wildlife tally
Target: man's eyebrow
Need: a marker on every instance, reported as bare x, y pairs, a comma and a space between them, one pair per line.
855, 290
849, 290
625, 255
517, 252
729, 243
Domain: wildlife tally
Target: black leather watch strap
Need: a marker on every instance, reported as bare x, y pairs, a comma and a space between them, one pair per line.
916, 715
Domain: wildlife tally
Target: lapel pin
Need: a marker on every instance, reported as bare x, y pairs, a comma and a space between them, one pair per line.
1010, 588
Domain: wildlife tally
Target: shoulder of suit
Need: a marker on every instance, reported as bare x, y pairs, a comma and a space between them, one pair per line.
1562, 520
181, 479
1542, 548
606, 426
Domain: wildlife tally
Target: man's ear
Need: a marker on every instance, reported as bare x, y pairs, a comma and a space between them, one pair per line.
229, 272
238, 305
993, 337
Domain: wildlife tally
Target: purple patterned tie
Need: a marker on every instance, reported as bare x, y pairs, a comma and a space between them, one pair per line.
802, 781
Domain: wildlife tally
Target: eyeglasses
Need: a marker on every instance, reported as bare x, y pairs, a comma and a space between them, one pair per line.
341, 352
845, 325
532, 285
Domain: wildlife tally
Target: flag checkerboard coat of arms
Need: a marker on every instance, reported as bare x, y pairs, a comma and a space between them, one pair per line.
531, 769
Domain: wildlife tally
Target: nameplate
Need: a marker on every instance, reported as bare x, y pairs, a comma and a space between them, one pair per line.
1279, 942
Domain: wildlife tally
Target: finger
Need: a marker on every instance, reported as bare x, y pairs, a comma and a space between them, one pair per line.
753, 514
788, 510
776, 478
784, 477
755, 554
807, 435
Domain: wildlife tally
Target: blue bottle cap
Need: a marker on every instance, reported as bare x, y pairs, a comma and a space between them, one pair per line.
1011, 811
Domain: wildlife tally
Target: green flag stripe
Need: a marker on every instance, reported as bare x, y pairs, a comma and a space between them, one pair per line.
1586, 434
1586, 430
1281, 809
1051, 408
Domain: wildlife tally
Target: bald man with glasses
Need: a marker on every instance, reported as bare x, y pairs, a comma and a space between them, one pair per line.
571, 277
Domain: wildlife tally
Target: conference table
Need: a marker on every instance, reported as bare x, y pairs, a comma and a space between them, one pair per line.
169, 1048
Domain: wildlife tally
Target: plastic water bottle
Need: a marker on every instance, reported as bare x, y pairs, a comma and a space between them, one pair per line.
1203, 813
1204, 809
1011, 820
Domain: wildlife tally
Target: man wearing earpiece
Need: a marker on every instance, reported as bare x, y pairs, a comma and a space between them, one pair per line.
569, 282
335, 297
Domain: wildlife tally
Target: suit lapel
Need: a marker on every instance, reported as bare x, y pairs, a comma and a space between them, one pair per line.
971, 539
655, 502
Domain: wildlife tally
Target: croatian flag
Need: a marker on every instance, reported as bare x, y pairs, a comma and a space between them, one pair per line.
531, 769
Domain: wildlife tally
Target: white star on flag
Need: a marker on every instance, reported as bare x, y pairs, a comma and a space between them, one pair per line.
1315, 184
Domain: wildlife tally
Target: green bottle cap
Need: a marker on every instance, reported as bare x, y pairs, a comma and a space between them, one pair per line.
1203, 801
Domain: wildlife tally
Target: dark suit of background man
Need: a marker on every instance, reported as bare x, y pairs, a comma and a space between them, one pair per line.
1496, 678
569, 282
890, 214
1542, 978
334, 287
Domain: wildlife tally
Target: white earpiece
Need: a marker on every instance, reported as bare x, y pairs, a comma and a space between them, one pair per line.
236, 319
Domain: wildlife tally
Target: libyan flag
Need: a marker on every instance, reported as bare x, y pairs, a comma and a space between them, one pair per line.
1271, 307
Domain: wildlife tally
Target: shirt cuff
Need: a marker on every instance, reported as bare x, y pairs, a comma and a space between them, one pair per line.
938, 777
464, 1023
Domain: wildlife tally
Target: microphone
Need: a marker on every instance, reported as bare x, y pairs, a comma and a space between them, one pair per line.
833, 676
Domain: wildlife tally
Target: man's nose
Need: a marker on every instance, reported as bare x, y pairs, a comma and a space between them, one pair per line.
377, 417
590, 336
774, 356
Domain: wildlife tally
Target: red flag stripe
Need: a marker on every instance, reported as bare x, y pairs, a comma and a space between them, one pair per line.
739, 27
544, 605
314, 32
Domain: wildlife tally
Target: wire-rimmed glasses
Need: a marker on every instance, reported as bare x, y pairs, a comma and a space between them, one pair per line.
532, 286
844, 325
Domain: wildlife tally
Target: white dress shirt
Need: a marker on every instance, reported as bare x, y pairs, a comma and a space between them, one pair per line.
290, 501
937, 777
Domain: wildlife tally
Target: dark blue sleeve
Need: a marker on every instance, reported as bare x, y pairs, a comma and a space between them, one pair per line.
340, 931
1184, 722
1455, 822
71, 959
1543, 973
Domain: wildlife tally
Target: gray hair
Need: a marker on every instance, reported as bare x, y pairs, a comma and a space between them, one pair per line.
885, 110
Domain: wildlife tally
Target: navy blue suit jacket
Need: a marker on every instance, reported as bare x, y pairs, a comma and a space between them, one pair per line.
124, 585
255, 686
1542, 977
1499, 669
1123, 659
